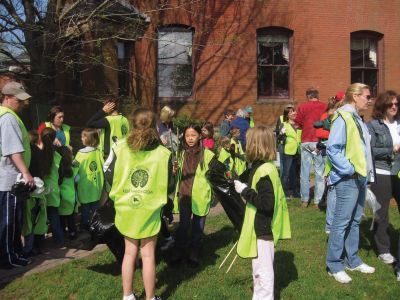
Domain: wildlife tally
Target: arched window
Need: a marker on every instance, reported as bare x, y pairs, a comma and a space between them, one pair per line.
365, 62
174, 62
273, 62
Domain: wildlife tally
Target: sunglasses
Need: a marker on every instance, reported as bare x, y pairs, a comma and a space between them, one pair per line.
393, 104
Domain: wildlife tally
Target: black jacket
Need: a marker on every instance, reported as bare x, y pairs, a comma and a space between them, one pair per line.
263, 200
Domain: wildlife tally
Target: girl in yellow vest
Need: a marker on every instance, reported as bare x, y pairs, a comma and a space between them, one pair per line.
226, 157
140, 185
290, 136
193, 195
266, 217
237, 151
51, 176
91, 177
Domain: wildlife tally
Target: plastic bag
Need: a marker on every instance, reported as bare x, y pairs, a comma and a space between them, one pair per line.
372, 204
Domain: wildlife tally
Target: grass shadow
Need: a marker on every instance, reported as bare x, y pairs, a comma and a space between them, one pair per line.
285, 271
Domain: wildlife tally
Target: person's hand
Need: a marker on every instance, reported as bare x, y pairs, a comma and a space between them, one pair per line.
109, 107
175, 167
57, 143
239, 186
28, 179
396, 148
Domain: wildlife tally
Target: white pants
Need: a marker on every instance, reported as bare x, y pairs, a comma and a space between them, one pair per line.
263, 271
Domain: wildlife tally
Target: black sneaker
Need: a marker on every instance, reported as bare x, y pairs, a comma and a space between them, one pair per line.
19, 262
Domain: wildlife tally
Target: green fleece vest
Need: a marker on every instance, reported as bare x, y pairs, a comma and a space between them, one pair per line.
201, 189
35, 222
293, 141
67, 132
68, 194
26, 155
139, 189
91, 177
51, 182
119, 127
280, 224
354, 151
239, 164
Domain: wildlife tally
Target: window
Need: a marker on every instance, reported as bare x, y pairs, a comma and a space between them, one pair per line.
273, 62
365, 60
124, 74
175, 62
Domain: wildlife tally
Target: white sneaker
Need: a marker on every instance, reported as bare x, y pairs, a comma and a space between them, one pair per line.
341, 277
363, 268
387, 258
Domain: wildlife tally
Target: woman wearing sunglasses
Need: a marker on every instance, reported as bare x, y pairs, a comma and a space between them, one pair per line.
385, 142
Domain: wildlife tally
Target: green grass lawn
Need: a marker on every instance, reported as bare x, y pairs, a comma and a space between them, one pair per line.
300, 269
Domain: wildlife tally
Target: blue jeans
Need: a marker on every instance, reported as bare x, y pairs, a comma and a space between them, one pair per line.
289, 177
181, 235
280, 151
55, 223
307, 159
87, 211
344, 236
330, 207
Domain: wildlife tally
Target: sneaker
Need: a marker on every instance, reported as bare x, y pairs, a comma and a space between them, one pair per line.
341, 277
387, 258
168, 244
20, 262
327, 231
398, 275
304, 204
363, 268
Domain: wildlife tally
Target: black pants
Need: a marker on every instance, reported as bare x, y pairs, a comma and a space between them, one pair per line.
386, 187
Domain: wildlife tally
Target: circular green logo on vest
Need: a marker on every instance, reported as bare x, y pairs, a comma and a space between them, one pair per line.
139, 178
93, 166
136, 201
124, 129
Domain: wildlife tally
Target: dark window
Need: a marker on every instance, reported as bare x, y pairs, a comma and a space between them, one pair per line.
175, 62
365, 60
273, 62
124, 73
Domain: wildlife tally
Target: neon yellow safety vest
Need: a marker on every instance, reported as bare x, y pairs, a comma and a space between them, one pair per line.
226, 158
51, 182
201, 189
292, 142
91, 177
38, 224
251, 122
139, 190
119, 127
26, 155
280, 224
66, 129
68, 194
354, 151
239, 164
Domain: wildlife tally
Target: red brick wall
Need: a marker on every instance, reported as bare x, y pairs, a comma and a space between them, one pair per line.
224, 53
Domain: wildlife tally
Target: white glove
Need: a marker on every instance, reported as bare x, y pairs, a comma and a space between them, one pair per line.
283, 130
239, 186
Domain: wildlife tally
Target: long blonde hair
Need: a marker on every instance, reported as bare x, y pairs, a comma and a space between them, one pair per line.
260, 144
144, 131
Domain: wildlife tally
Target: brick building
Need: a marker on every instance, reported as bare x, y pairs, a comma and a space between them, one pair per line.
203, 56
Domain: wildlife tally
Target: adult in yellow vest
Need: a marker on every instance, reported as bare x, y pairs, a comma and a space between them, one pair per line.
15, 158
266, 217
55, 120
349, 167
140, 186
193, 194
291, 139
279, 144
112, 124
249, 110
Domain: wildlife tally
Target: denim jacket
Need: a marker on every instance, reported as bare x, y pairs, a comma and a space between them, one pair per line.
382, 147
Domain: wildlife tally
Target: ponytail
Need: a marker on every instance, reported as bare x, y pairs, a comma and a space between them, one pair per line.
144, 132
48, 136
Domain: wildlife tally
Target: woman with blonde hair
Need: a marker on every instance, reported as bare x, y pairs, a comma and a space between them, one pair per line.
349, 168
140, 185
266, 217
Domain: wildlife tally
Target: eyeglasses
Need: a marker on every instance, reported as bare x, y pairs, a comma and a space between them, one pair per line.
396, 104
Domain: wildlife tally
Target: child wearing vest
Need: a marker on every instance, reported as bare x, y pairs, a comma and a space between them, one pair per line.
51, 174
266, 217
207, 134
91, 176
192, 196
237, 151
290, 136
139, 189
226, 157
68, 202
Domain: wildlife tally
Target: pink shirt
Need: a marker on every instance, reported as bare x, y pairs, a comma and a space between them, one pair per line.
208, 143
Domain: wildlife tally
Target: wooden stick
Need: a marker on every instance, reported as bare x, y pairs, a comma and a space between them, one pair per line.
231, 264
226, 257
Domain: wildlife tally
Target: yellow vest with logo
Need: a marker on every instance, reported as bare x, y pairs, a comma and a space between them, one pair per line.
26, 155
139, 189
66, 129
280, 224
201, 189
354, 151
119, 127
293, 141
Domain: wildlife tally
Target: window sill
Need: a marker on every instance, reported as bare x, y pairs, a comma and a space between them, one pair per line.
276, 100
172, 100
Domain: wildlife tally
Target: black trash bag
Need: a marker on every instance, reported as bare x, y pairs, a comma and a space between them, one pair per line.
224, 190
21, 190
103, 230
